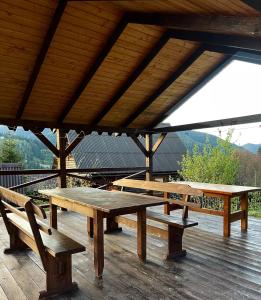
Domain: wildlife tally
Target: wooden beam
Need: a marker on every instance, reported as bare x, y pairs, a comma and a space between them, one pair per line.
46, 142
41, 56
211, 124
28, 172
172, 78
57, 171
139, 144
22, 185
256, 4
229, 25
33, 124
91, 71
158, 142
74, 143
61, 145
141, 67
237, 42
149, 157
199, 84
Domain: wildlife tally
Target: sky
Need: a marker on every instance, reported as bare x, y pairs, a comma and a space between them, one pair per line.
234, 92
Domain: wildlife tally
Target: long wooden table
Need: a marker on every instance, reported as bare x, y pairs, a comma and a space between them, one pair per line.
226, 192
99, 204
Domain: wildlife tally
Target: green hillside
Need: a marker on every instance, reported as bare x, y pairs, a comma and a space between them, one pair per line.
35, 155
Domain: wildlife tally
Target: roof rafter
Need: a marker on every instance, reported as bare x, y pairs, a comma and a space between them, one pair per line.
211, 124
243, 43
92, 70
199, 84
231, 25
41, 56
141, 67
256, 4
172, 78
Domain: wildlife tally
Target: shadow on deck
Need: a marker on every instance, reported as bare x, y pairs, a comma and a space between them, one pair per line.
214, 268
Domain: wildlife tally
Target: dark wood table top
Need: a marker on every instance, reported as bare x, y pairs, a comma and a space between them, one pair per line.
106, 201
222, 189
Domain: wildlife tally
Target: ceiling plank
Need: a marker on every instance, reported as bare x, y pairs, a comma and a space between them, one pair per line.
211, 124
172, 78
141, 67
91, 71
41, 56
199, 84
229, 25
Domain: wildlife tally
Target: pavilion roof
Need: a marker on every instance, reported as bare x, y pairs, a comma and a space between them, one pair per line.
114, 64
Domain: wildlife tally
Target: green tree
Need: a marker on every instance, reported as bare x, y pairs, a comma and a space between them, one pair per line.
215, 164
9, 152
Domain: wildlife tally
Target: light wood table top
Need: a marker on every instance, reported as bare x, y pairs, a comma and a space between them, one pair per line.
106, 201
223, 189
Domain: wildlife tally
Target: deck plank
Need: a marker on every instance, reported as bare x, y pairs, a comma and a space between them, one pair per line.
214, 268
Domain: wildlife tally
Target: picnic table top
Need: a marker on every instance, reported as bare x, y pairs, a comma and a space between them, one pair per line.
106, 201
221, 189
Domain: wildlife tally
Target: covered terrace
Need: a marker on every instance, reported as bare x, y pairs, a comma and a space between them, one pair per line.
122, 67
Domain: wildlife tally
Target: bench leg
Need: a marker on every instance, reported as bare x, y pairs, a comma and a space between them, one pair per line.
112, 225
16, 244
58, 276
175, 242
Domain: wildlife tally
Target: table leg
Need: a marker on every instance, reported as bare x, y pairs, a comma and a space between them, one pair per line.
53, 215
227, 211
98, 243
141, 234
244, 208
112, 225
90, 226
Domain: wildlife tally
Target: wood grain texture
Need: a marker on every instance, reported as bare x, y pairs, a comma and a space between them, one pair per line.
82, 33
106, 201
213, 268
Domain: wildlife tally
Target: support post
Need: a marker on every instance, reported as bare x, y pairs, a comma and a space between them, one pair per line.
61, 145
149, 156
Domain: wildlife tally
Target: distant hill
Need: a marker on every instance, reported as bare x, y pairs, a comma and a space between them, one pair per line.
34, 153
190, 138
252, 147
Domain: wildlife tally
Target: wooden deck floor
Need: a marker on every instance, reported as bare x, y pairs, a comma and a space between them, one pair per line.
215, 268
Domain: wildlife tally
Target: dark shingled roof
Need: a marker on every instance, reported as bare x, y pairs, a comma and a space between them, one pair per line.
104, 151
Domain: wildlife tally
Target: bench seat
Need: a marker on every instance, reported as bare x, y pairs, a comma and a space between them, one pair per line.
27, 228
167, 227
56, 244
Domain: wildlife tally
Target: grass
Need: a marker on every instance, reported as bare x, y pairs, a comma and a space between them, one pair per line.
255, 213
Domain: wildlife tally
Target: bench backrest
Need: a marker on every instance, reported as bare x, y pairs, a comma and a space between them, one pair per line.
167, 187
24, 212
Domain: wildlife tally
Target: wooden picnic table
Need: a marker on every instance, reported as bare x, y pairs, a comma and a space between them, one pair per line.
226, 192
98, 204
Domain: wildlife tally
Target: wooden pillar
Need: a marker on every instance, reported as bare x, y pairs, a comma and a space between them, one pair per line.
149, 156
61, 145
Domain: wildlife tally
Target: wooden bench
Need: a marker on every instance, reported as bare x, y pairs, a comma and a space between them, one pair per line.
27, 230
162, 224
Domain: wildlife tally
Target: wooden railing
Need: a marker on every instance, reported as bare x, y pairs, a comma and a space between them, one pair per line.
69, 172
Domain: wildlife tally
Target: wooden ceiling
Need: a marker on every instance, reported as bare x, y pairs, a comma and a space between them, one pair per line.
115, 64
